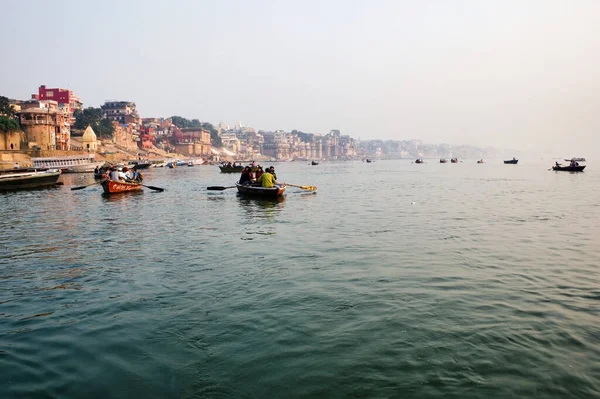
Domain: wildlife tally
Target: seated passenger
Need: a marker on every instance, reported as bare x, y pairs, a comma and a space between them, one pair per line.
267, 179
245, 177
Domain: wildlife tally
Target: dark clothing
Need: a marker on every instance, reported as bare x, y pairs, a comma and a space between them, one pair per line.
245, 178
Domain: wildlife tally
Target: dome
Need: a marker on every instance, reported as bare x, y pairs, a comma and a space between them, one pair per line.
89, 134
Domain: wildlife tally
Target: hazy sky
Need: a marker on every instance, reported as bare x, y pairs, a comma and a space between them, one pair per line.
512, 74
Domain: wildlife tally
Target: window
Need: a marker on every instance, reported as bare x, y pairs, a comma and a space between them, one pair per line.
49, 93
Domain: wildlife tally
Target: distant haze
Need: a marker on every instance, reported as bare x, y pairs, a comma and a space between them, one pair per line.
510, 74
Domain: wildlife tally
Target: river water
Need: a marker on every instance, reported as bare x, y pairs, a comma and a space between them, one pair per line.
395, 280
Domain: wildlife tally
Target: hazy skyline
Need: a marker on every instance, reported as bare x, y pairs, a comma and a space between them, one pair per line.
509, 74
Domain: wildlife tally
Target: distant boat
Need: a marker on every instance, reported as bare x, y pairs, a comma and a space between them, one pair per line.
68, 163
575, 159
579, 168
314, 162
443, 160
454, 160
480, 161
512, 161
419, 161
369, 161
190, 163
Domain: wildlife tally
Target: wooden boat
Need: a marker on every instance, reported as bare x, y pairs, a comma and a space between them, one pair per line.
237, 169
443, 160
579, 168
511, 162
315, 162
28, 180
258, 191
115, 187
190, 164
454, 160
419, 161
142, 165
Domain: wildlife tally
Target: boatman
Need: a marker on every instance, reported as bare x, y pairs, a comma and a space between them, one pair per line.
267, 179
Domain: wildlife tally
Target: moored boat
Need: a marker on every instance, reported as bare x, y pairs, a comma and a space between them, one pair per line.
237, 169
115, 187
259, 191
443, 160
368, 160
454, 160
315, 162
578, 168
28, 180
511, 161
68, 164
419, 161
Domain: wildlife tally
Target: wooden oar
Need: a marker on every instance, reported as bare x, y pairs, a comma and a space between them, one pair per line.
310, 188
154, 188
82, 187
219, 188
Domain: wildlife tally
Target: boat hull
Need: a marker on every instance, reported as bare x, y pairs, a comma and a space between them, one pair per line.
443, 161
511, 162
225, 169
262, 192
117, 187
419, 161
569, 168
28, 180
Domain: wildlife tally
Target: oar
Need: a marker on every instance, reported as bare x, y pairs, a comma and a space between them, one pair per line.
310, 188
219, 188
82, 187
154, 188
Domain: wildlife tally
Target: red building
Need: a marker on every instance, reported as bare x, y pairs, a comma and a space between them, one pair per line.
67, 101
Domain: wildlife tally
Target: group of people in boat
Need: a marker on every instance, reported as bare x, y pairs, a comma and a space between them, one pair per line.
266, 178
572, 164
125, 175
231, 165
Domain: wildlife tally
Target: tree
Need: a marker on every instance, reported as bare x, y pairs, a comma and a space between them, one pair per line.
215, 139
8, 124
106, 128
93, 117
5, 107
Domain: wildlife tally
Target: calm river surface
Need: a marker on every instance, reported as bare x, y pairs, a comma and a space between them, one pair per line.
395, 280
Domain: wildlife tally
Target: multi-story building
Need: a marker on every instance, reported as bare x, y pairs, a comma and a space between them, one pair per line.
46, 128
67, 101
120, 111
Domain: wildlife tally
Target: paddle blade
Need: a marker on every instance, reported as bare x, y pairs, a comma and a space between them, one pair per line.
310, 188
155, 188
218, 188
78, 188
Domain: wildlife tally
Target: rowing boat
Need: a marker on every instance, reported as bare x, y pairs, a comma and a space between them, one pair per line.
511, 162
579, 168
258, 191
115, 187
237, 169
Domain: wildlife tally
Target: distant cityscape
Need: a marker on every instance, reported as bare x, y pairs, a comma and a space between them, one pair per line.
54, 119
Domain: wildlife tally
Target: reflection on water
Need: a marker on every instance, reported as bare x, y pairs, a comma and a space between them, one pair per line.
447, 282
121, 197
